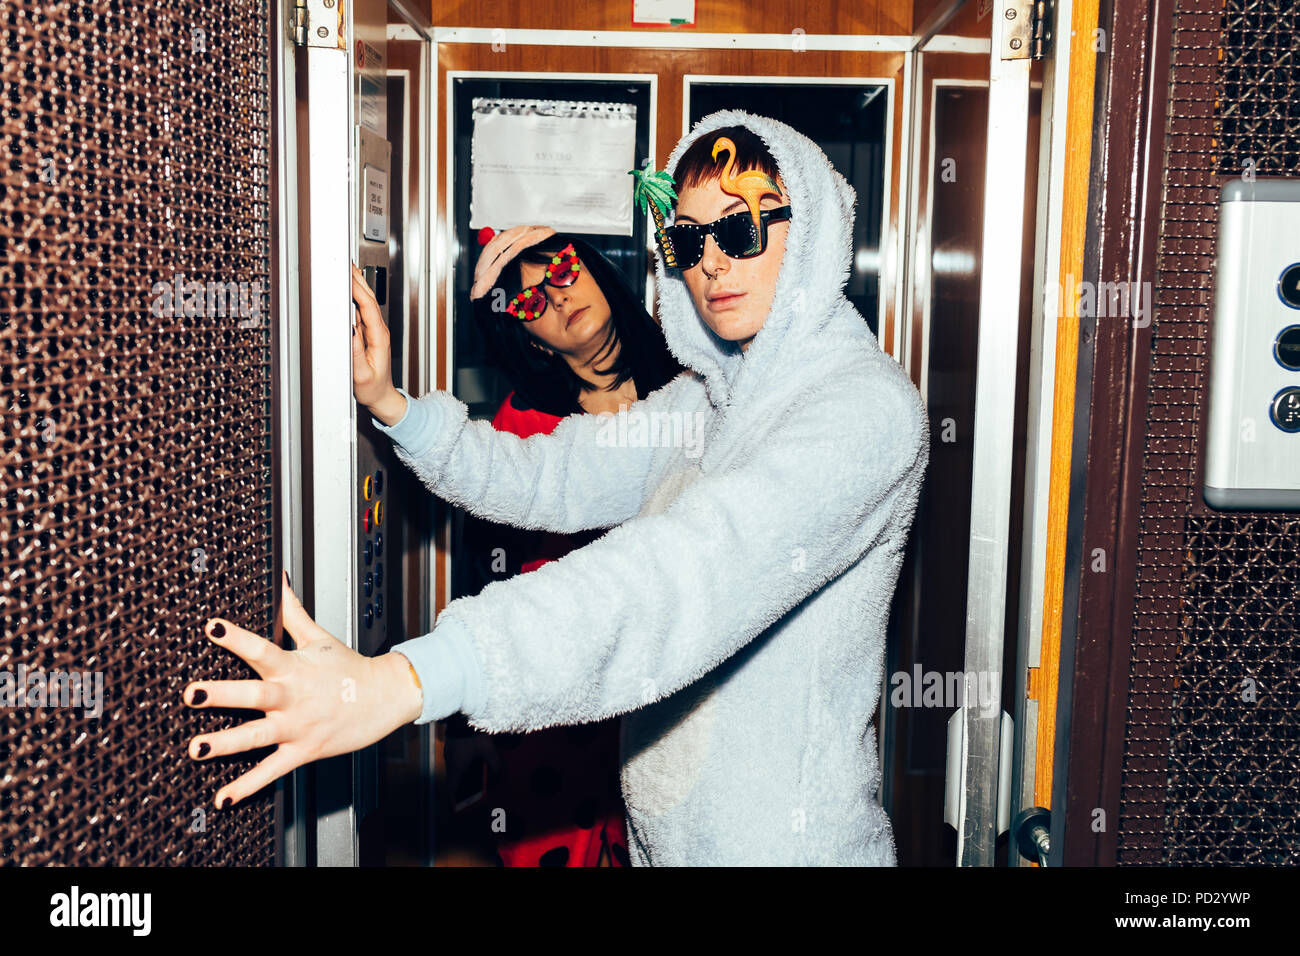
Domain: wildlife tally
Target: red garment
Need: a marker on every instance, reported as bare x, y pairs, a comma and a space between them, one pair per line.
559, 786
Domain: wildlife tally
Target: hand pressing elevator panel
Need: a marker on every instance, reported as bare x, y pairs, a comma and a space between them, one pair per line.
374, 559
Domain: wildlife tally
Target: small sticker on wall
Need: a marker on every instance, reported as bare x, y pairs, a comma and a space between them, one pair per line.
375, 188
649, 13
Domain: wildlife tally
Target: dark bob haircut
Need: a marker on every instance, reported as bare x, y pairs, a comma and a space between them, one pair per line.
698, 166
547, 382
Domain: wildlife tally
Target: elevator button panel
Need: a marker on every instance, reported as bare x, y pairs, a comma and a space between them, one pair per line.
1252, 454
374, 225
372, 581
370, 602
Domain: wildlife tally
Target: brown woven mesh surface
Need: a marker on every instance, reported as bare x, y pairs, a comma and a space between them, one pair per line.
136, 458
1210, 775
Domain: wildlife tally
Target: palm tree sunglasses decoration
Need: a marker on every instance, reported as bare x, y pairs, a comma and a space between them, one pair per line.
741, 235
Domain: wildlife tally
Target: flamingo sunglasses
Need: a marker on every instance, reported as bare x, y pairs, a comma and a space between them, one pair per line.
734, 234
530, 303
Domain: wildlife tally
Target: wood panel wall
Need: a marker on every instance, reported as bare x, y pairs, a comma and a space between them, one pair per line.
712, 16
966, 23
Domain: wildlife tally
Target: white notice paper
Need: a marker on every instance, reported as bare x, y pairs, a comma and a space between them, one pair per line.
552, 162
663, 11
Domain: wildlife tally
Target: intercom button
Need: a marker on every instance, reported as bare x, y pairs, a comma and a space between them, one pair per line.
1288, 286
1287, 348
1285, 410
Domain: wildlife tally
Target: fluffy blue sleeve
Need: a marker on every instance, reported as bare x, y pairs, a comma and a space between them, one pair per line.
565, 481
657, 602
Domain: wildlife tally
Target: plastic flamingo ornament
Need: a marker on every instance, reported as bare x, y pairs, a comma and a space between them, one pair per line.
656, 190
751, 185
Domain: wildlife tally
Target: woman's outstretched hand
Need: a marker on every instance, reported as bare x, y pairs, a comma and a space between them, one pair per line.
372, 359
320, 700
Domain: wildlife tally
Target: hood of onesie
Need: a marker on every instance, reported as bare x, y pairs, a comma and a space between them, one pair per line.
813, 274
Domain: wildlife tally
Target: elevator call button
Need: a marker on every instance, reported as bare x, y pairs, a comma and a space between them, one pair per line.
1288, 286
1285, 411
1287, 348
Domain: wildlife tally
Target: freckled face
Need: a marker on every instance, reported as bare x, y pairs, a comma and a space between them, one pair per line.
576, 316
733, 296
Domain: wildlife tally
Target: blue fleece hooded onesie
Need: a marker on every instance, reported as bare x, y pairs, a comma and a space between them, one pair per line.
735, 612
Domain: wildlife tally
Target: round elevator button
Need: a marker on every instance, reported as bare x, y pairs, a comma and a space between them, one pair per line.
1285, 410
1287, 348
1288, 286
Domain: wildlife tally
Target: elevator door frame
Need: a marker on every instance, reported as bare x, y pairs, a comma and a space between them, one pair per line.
332, 434
991, 487
978, 734
324, 829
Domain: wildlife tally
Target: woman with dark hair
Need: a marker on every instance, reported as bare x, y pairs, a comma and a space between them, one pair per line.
596, 349
572, 337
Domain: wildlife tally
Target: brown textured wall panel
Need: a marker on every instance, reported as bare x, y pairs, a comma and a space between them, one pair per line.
1209, 774
136, 459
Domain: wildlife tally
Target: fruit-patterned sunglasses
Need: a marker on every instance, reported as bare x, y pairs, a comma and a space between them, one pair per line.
563, 271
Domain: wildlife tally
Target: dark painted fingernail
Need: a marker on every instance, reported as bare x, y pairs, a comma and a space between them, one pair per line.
218, 629
199, 697
226, 803
288, 580
204, 748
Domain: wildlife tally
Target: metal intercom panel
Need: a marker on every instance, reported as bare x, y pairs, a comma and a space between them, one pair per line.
1253, 453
